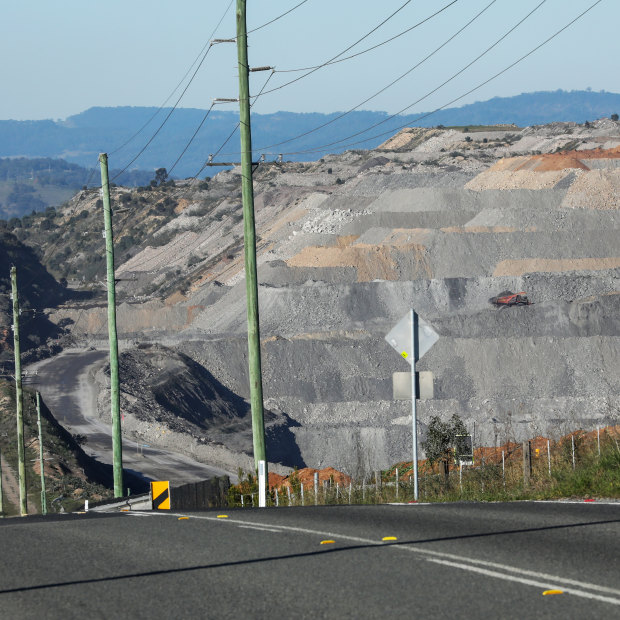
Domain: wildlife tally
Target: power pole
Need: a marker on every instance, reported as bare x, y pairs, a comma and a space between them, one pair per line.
115, 403
43, 494
21, 453
249, 235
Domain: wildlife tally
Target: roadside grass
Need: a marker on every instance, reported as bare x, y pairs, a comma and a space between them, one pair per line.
594, 476
66, 483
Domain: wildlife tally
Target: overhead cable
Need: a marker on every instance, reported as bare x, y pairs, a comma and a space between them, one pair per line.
344, 51
369, 49
208, 43
452, 77
451, 102
167, 115
376, 94
275, 19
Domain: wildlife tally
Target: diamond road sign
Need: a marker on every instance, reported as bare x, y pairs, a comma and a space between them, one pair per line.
399, 337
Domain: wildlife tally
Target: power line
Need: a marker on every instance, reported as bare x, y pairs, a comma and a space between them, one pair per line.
177, 86
452, 77
301, 77
369, 49
168, 115
232, 133
376, 94
202, 122
449, 103
277, 18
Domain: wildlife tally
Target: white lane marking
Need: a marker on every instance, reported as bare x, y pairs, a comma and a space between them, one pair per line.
528, 582
521, 571
598, 502
426, 552
262, 529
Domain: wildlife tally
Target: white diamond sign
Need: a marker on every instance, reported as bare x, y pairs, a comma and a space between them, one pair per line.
399, 337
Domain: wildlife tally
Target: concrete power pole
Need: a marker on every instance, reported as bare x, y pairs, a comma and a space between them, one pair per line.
249, 234
19, 400
115, 404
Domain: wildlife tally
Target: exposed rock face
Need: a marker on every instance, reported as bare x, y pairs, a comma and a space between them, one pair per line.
165, 392
347, 245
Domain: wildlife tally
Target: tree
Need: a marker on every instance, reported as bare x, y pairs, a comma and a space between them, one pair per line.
161, 174
443, 440
614, 117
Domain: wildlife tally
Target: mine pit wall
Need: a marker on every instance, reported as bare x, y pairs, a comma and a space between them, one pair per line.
510, 373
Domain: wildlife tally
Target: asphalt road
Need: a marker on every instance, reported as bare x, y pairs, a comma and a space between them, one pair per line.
446, 561
64, 386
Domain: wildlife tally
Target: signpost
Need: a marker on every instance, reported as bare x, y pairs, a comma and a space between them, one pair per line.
411, 338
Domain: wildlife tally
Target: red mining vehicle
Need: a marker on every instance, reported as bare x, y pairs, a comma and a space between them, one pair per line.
510, 299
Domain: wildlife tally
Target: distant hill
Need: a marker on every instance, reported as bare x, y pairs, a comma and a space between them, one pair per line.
28, 185
80, 138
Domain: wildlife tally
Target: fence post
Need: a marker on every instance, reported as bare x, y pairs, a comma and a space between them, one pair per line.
242, 504
277, 499
527, 463
598, 440
503, 469
288, 492
337, 491
350, 490
303, 503
378, 487
461, 476
572, 440
363, 489
397, 482
549, 456
316, 488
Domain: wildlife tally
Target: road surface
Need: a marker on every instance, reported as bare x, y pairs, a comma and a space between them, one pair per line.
444, 561
65, 388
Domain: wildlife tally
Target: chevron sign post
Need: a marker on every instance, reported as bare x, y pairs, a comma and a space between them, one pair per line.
411, 338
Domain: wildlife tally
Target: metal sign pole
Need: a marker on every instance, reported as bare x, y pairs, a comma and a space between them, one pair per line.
414, 419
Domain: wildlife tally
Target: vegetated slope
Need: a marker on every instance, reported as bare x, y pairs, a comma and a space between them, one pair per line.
79, 138
37, 290
32, 185
441, 220
70, 475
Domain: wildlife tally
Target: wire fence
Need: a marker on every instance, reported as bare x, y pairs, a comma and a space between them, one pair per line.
579, 465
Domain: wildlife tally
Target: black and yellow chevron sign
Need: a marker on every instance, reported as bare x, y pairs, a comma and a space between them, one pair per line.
160, 492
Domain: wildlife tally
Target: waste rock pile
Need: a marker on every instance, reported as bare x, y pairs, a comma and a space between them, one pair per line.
438, 220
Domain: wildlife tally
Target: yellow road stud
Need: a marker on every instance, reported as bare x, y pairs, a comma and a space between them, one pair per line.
328, 542
547, 592
389, 538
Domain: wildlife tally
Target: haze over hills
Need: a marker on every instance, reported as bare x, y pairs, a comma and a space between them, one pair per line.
79, 139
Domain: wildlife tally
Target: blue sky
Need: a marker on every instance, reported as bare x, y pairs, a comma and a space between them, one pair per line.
62, 58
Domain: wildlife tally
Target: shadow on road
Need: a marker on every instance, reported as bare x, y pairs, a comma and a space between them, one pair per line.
332, 550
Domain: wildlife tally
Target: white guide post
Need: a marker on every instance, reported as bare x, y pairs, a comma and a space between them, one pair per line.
414, 419
262, 483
